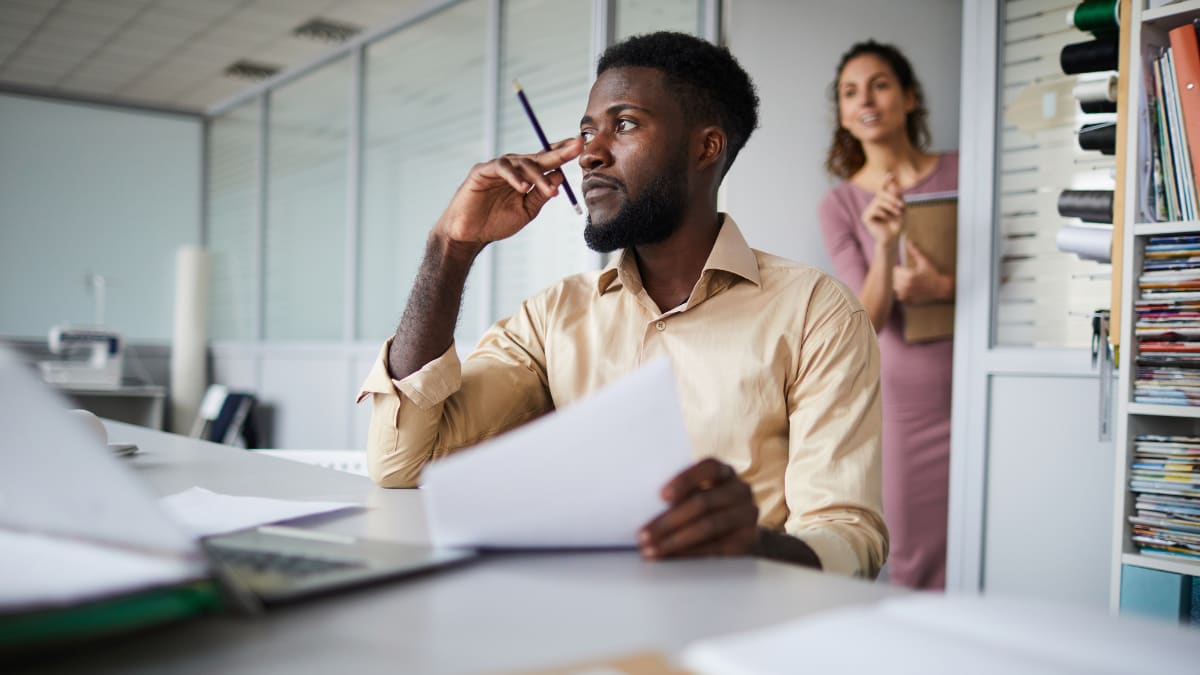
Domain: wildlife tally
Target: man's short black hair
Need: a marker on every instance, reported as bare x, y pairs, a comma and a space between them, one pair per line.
712, 86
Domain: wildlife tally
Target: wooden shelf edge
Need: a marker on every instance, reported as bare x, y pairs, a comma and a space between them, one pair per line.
1162, 564
1170, 11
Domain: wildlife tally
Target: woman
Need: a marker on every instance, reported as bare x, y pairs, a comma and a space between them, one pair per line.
879, 151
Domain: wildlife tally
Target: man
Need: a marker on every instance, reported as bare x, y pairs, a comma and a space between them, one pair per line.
776, 364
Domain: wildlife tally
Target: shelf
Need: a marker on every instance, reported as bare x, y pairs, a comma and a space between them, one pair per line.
1170, 13
1176, 227
1162, 564
1164, 410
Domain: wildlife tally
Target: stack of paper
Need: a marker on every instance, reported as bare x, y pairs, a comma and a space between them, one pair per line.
1168, 322
1166, 486
924, 633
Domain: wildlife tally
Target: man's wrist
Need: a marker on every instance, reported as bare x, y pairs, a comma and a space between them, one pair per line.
450, 249
783, 547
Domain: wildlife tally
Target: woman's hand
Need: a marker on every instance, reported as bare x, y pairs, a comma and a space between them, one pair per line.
923, 282
884, 215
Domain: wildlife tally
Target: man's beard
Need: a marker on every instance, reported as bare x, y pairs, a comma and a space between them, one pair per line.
650, 218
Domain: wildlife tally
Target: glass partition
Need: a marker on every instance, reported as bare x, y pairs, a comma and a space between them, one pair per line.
1043, 297
644, 16
306, 205
551, 247
233, 168
423, 116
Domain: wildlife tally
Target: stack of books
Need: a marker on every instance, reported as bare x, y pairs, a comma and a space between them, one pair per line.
1173, 107
1166, 488
1168, 322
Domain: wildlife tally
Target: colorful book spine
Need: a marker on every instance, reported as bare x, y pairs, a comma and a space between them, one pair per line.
1185, 50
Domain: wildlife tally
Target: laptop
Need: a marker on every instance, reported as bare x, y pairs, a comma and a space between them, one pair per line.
68, 499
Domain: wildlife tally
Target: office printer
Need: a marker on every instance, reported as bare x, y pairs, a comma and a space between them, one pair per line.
92, 357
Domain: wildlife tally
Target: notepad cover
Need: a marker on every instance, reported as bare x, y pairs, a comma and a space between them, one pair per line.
932, 226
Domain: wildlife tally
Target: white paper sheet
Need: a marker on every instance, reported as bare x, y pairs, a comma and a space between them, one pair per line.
588, 475
58, 478
203, 512
929, 634
38, 571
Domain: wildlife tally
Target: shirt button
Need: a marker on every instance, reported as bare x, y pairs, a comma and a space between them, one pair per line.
661, 326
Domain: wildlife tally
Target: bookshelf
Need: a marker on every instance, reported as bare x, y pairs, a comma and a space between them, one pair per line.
1148, 33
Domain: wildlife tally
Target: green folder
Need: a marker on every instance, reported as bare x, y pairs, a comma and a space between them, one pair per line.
31, 631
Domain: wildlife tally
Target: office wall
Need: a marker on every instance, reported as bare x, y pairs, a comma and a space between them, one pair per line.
791, 50
93, 190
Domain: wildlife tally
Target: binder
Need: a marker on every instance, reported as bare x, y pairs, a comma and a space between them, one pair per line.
931, 224
1186, 55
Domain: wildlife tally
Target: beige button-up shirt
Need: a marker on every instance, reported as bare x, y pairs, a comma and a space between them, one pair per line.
777, 370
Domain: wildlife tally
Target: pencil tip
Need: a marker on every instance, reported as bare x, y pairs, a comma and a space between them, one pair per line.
578, 210
516, 86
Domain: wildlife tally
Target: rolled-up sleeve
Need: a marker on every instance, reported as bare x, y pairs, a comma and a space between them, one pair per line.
833, 482
448, 405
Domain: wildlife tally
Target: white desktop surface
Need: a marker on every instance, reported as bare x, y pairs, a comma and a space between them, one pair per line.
499, 613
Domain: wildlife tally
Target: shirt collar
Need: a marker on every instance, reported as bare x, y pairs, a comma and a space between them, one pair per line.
730, 253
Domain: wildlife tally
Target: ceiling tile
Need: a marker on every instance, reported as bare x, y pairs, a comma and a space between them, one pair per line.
26, 76
210, 93
206, 8
206, 49
171, 22
62, 44
290, 52
48, 59
13, 34
303, 8
107, 11
95, 87
24, 14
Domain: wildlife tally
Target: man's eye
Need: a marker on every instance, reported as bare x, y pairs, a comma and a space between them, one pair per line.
626, 125
586, 136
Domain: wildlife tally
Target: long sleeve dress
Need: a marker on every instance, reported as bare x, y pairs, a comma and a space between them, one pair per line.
916, 381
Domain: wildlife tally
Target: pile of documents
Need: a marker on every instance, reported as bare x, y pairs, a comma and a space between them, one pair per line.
1168, 322
1166, 488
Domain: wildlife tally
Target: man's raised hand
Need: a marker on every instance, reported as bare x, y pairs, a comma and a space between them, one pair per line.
500, 197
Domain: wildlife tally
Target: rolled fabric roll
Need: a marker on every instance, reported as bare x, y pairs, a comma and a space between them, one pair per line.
1099, 107
1089, 242
1101, 136
1093, 90
1089, 57
1095, 16
1093, 206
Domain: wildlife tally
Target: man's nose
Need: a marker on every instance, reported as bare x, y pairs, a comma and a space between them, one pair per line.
595, 153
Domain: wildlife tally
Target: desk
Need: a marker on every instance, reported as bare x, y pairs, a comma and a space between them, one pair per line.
499, 613
142, 405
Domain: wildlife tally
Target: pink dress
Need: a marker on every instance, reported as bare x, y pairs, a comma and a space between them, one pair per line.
916, 396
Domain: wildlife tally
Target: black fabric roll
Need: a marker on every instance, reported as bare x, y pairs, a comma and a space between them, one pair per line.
1101, 136
1099, 107
1089, 57
1093, 206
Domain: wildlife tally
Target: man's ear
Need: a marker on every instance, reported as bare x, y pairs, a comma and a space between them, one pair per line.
711, 147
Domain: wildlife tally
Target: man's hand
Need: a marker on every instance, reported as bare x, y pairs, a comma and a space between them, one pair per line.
921, 283
711, 512
500, 197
